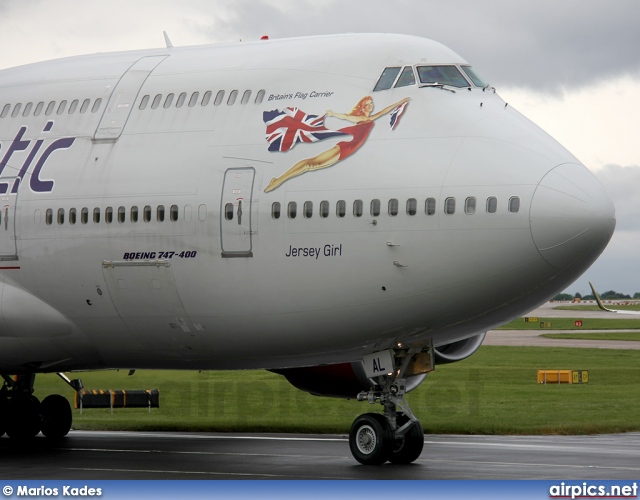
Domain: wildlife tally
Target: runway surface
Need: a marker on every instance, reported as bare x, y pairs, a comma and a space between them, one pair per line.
88, 455
138, 455
534, 337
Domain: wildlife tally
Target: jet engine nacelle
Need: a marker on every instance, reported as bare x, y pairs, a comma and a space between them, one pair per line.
457, 351
344, 380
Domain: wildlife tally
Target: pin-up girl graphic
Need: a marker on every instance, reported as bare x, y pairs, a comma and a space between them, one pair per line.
287, 128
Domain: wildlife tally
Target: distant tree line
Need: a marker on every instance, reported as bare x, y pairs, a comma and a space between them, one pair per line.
609, 295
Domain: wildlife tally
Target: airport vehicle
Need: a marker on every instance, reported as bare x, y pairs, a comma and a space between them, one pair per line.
346, 211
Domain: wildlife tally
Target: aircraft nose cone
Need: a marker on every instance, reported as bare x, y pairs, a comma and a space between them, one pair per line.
572, 217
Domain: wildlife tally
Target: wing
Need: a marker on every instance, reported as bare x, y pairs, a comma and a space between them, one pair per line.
601, 305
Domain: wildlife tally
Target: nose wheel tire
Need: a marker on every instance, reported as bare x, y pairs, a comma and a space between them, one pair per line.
408, 447
371, 439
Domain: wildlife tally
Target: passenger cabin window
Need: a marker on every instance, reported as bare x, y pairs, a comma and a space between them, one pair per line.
168, 101
194, 99
5, 110
122, 214
61, 216
406, 78
146, 214
412, 206
73, 107
181, 98
133, 214
492, 205
48, 218
357, 208
144, 102
430, 206
27, 109
375, 208
173, 213
73, 214
387, 78
245, 97
232, 98
393, 207
514, 204
324, 209
275, 210
260, 96
450, 206
83, 108
206, 98
442, 75
470, 206
160, 213
96, 215
84, 215
341, 208
156, 101
292, 209
308, 209
219, 98
108, 215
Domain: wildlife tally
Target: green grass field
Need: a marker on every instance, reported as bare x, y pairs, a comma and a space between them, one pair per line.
631, 336
492, 392
570, 324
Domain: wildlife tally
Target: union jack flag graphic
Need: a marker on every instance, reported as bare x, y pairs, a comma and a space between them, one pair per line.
396, 114
288, 127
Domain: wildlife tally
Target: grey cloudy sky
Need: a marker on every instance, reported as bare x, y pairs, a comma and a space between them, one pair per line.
572, 66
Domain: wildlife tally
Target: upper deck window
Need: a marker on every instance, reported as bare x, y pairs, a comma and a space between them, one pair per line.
442, 75
387, 78
473, 76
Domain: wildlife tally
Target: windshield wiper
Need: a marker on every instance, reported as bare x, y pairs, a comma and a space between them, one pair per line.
442, 86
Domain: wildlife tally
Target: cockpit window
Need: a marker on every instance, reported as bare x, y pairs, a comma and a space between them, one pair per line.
473, 76
442, 75
406, 77
387, 78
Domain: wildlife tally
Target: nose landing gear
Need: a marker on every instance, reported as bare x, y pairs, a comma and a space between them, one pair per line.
397, 435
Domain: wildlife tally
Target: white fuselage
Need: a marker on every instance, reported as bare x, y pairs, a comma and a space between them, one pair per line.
220, 282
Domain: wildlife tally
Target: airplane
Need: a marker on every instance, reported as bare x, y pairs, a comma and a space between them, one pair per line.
604, 308
347, 211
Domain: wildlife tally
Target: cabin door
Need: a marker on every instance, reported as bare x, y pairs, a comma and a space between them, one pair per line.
123, 97
236, 212
8, 203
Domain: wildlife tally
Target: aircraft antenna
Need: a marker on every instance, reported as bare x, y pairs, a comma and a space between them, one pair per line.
167, 40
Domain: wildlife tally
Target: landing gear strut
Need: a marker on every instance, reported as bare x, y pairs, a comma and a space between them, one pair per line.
397, 435
23, 416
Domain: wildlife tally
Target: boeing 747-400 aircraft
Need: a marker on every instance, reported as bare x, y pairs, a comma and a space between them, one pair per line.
346, 211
